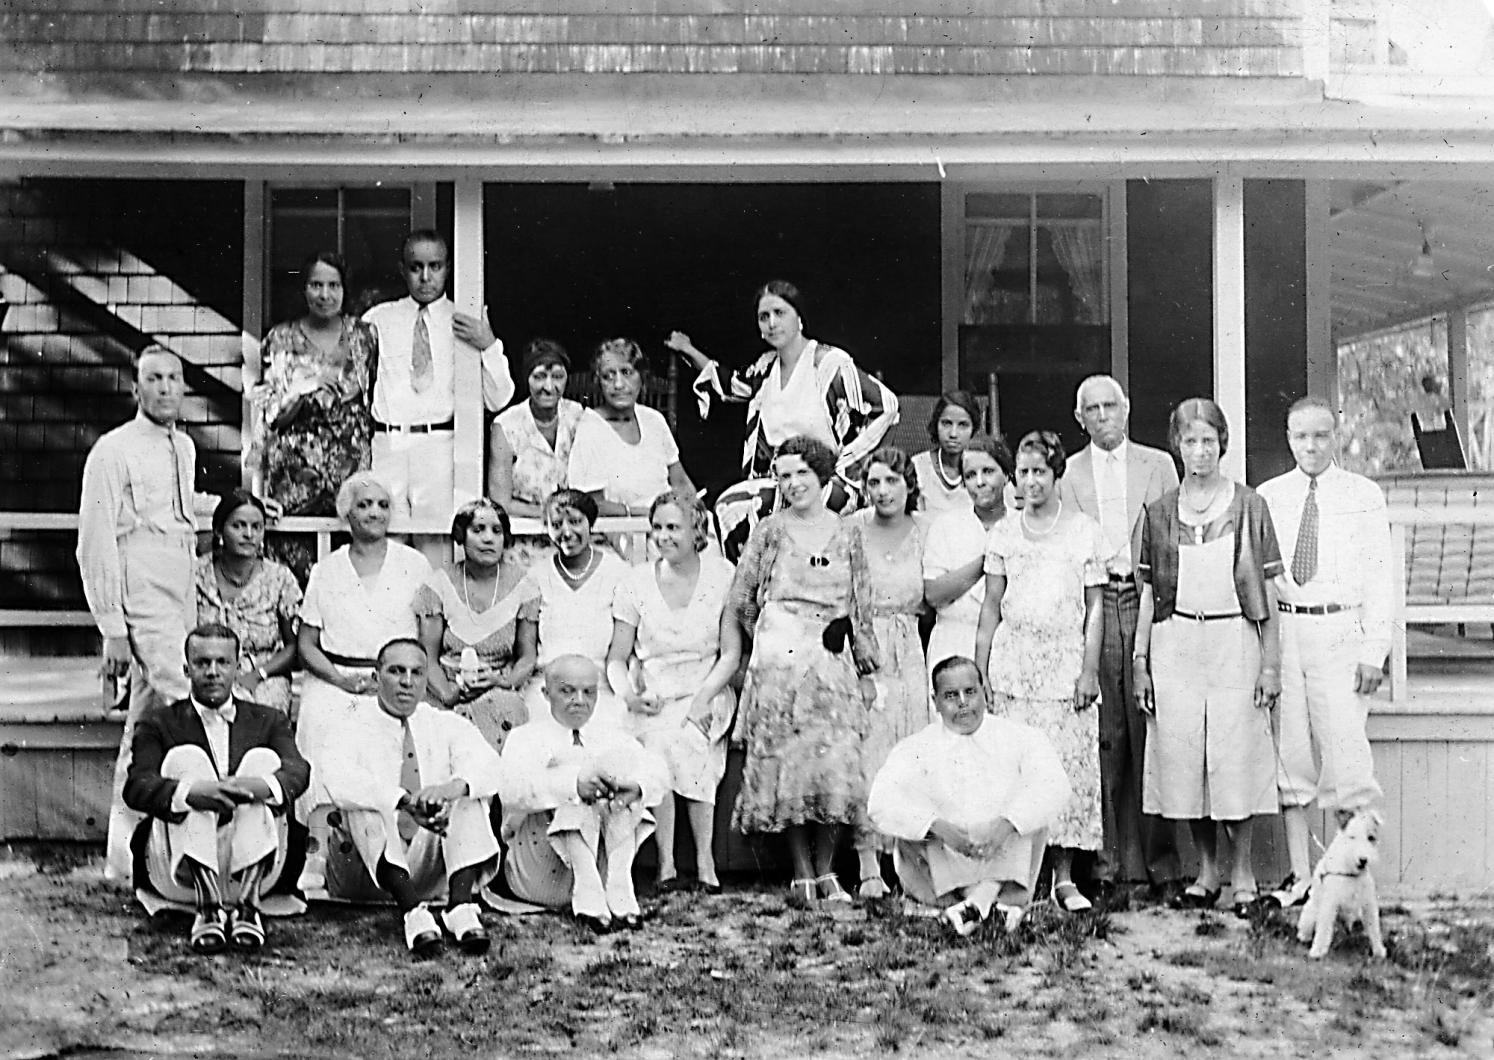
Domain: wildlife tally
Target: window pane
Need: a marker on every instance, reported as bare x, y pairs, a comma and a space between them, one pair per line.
1004, 207
1070, 206
996, 273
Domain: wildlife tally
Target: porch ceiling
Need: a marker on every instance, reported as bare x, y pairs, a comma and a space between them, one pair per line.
1377, 234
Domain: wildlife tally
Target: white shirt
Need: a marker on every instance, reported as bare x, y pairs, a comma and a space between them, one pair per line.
1354, 566
1109, 470
1003, 769
130, 487
366, 753
394, 399
541, 764
631, 474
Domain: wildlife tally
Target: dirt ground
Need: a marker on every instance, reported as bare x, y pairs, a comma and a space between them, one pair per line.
745, 974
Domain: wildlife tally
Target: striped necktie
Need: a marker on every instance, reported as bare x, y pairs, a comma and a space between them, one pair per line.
1305, 558
422, 368
409, 779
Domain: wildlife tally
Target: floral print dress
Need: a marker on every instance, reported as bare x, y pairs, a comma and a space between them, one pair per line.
271, 595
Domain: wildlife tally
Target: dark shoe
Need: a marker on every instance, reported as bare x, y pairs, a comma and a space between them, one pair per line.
709, 888
1245, 902
209, 932
597, 925
1291, 894
1195, 897
629, 922
247, 931
422, 935
670, 885
465, 925
1167, 893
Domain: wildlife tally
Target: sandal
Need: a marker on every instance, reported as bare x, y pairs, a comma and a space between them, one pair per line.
831, 890
208, 935
964, 917
1068, 898
1195, 896
247, 930
802, 891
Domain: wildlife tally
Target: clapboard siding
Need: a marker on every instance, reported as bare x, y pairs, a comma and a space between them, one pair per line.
1226, 38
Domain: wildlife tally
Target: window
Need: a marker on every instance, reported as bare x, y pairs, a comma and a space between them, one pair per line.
364, 225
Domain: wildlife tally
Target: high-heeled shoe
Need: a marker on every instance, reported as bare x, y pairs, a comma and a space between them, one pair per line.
831, 890
802, 890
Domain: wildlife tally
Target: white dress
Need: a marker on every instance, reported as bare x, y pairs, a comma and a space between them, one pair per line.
576, 620
955, 539
675, 648
935, 496
631, 474
356, 619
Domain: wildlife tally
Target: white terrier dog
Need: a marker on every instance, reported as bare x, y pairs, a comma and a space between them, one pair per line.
1342, 887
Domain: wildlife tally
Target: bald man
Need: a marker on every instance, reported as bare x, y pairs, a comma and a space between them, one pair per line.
1109, 480
576, 793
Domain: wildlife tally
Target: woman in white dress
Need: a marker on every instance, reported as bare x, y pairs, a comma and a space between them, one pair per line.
954, 553
575, 588
357, 600
941, 483
480, 622
671, 617
799, 386
624, 454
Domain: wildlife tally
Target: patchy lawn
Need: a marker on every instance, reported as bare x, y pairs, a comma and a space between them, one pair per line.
744, 974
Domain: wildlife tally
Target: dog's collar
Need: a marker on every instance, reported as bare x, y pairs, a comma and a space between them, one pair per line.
1351, 875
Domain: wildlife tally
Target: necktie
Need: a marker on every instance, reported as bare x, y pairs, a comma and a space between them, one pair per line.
1305, 558
178, 504
409, 779
1113, 504
422, 370
576, 738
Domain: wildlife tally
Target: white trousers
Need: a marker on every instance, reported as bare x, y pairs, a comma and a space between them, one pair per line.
417, 468
253, 834
1325, 751
160, 608
579, 854
929, 870
430, 859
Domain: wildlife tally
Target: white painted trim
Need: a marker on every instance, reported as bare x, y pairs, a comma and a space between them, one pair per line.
467, 293
1229, 315
252, 331
1316, 31
1322, 354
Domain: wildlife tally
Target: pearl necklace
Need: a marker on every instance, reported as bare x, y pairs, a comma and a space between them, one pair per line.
575, 579
466, 581
938, 463
1027, 524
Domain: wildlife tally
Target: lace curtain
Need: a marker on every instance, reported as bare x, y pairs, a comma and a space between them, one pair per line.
1080, 249
985, 249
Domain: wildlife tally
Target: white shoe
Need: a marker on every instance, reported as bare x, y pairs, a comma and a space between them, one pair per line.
422, 935
964, 917
1011, 916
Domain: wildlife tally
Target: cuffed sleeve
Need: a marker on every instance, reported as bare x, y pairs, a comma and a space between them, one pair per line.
497, 380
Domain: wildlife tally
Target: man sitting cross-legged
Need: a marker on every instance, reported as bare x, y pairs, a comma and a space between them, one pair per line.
411, 785
576, 792
214, 777
969, 800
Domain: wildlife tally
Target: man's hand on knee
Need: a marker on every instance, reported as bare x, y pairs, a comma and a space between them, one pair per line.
213, 796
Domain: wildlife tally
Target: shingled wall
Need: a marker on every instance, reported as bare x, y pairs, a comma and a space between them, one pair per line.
1208, 38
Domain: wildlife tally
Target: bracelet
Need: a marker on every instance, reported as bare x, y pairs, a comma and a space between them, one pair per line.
1143, 656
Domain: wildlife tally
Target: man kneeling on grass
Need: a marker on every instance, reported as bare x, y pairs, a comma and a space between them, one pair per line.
411, 785
576, 792
215, 777
969, 800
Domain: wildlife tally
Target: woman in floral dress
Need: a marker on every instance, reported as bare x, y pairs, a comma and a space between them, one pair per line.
894, 539
480, 621
802, 593
255, 597
1039, 641
312, 424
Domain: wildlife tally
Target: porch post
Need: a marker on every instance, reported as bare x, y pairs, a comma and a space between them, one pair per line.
251, 331
1322, 356
1229, 315
1457, 378
467, 293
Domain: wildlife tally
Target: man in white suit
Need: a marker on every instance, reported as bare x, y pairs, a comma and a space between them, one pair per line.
1109, 480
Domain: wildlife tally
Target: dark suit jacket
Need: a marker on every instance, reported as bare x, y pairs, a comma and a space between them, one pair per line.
161, 729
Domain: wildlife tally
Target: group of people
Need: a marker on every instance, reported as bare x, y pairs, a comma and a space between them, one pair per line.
966, 684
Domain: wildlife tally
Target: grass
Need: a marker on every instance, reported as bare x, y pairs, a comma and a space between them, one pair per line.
749, 974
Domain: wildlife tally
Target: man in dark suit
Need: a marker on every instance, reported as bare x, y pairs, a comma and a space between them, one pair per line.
214, 777
1109, 480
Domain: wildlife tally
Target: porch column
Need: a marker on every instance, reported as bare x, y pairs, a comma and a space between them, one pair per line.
467, 293
1229, 315
1457, 378
253, 309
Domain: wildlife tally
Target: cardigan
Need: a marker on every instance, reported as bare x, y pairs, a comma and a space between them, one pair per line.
1257, 555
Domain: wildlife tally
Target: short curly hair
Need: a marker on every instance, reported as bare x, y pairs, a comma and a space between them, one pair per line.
819, 456
575, 499
694, 510
1047, 445
899, 463
354, 484
993, 447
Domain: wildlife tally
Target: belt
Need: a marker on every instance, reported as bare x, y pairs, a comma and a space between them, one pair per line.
1205, 616
347, 660
1121, 579
1311, 609
413, 428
